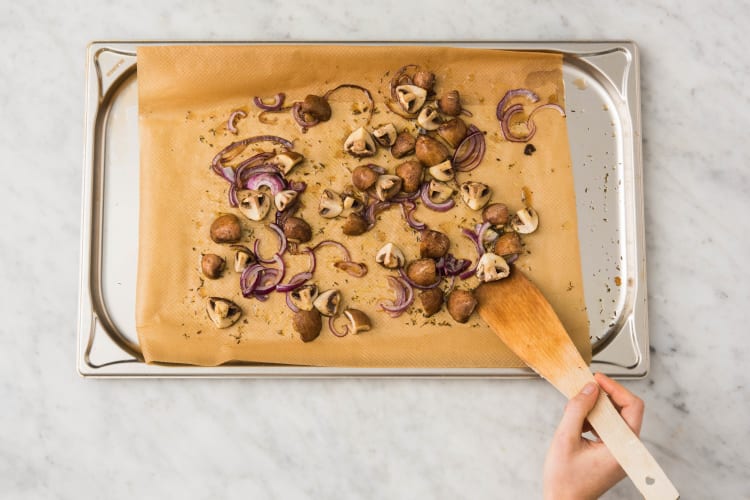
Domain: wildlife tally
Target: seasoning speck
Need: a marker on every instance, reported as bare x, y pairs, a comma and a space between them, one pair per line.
529, 150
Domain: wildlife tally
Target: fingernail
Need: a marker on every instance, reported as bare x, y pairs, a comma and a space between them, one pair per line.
588, 388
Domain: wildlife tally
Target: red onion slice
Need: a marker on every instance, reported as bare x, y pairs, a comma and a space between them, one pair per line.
505, 125
249, 279
295, 282
233, 119
297, 115
480, 236
356, 87
356, 269
407, 209
528, 94
232, 194
342, 248
404, 297
278, 102
290, 304
473, 237
332, 327
272, 181
450, 266
271, 277
437, 207
470, 151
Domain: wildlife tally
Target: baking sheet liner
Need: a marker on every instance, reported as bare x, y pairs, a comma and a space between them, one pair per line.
185, 95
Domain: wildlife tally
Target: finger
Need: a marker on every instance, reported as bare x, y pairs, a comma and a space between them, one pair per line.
578, 407
629, 405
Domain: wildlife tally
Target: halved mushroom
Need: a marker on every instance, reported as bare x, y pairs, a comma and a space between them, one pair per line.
430, 151
496, 214
385, 135
315, 107
286, 161
226, 229
492, 267
331, 205
508, 244
355, 224
450, 103
308, 324
364, 177
434, 244
328, 302
404, 145
411, 173
304, 297
358, 321
439, 192
297, 230
212, 265
442, 171
283, 199
351, 205
243, 257
475, 194
390, 256
224, 313
461, 305
424, 79
423, 272
429, 118
453, 131
387, 187
525, 221
254, 204
411, 98
360, 143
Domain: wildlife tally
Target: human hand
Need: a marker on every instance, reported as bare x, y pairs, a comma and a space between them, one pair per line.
579, 468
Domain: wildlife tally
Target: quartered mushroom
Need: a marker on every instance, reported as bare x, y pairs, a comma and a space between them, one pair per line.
286, 161
304, 297
328, 302
351, 205
453, 131
360, 143
411, 98
224, 313
254, 204
390, 256
429, 118
442, 171
385, 135
439, 192
364, 177
525, 221
475, 194
492, 267
212, 265
358, 321
356, 269
331, 205
243, 257
283, 199
387, 187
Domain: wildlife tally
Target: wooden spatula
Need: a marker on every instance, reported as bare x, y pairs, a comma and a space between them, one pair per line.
520, 315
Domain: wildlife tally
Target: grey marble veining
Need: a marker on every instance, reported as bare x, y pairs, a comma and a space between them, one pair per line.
64, 437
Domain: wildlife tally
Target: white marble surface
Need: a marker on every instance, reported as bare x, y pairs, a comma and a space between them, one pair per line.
65, 437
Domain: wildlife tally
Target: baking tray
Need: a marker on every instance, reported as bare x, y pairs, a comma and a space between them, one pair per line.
602, 92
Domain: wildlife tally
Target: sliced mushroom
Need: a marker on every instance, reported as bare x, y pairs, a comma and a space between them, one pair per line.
308, 324
351, 205
525, 221
475, 194
430, 152
461, 304
385, 135
492, 267
304, 296
356, 269
411, 98
297, 230
354, 225
283, 199
496, 214
390, 256
424, 79
453, 131
442, 171
212, 265
315, 107
450, 103
387, 187
508, 244
254, 204
331, 205
286, 161
360, 143
358, 321
423, 272
439, 192
434, 244
432, 300
224, 313
243, 257
226, 229
429, 118
404, 145
410, 173
364, 177
328, 302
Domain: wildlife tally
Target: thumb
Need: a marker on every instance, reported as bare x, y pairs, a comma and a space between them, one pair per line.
578, 407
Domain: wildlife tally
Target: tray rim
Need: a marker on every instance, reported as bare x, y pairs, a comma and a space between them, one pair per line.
637, 319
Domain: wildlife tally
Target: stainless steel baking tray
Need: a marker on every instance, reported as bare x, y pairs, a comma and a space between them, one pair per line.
602, 88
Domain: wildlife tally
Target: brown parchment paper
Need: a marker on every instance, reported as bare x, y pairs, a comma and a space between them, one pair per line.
186, 94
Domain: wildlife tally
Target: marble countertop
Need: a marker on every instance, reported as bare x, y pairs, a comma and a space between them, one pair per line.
65, 437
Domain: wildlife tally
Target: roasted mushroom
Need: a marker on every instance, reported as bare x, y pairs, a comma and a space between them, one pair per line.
411, 175
385, 135
434, 244
475, 194
354, 225
360, 143
328, 302
430, 152
461, 305
308, 324
432, 300
254, 205
453, 131
442, 171
429, 118
243, 257
352, 204
424, 79
439, 192
496, 214
404, 145
286, 161
358, 321
224, 313
304, 296
450, 103
387, 187
423, 272
314, 108
411, 98
390, 256
226, 229
284, 199
297, 230
492, 267
525, 221
331, 205
508, 244
356, 269
212, 265
364, 177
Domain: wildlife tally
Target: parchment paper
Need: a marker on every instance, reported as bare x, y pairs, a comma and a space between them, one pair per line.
186, 94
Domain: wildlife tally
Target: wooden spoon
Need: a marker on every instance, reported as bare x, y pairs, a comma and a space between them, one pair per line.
520, 315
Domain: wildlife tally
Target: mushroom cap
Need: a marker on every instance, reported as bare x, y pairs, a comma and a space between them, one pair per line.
432, 300
297, 230
283, 199
354, 225
404, 145
429, 151
328, 302
243, 257
385, 135
286, 161
364, 177
508, 244
387, 186
442, 171
411, 172
496, 214
331, 204
424, 79
212, 265
223, 312
411, 98
525, 221
475, 194
308, 324
453, 131
254, 205
226, 229
304, 296
423, 272
450, 103
358, 321
492, 267
390, 256
461, 305
360, 143
317, 107
439, 192
434, 244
